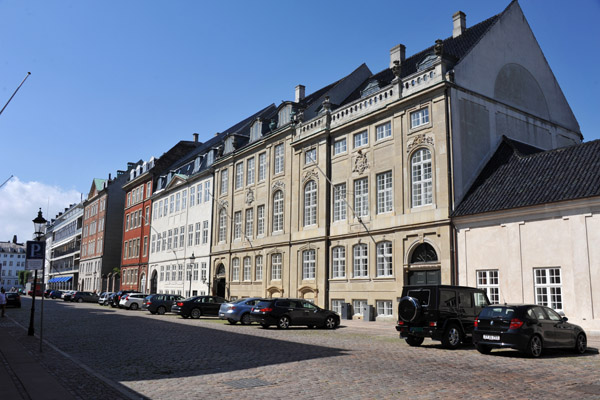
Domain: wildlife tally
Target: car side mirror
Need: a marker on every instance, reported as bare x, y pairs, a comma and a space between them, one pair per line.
565, 319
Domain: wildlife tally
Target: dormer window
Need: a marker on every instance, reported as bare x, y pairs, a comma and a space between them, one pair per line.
284, 116
427, 62
256, 130
229, 145
210, 157
372, 87
197, 163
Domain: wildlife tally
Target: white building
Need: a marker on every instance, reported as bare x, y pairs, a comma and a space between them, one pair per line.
12, 260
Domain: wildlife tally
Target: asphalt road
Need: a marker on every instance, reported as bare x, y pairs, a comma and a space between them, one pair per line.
101, 352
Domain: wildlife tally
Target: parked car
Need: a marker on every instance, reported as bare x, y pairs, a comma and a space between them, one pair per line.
528, 328
239, 310
66, 296
47, 293
13, 299
55, 294
160, 303
113, 300
88, 297
441, 312
103, 298
198, 306
132, 301
284, 312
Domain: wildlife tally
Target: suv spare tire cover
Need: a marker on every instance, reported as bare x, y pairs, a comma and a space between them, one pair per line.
409, 308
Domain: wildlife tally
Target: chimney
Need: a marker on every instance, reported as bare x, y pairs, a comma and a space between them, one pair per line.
460, 23
299, 93
15, 239
195, 138
397, 53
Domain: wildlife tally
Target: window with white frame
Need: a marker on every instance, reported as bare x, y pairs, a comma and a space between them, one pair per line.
183, 199
308, 264
258, 272
222, 225
182, 236
172, 204
310, 203
339, 146
276, 262
255, 131
260, 220
338, 267
162, 273
384, 192
548, 287
278, 211
235, 269
384, 308
153, 243
190, 235
224, 181
192, 196
204, 232
339, 202
203, 271
249, 223
194, 267
199, 198
419, 117
250, 171
247, 269
384, 131
237, 225
279, 159
358, 306
197, 235
360, 261
488, 281
361, 197
337, 305
361, 139
384, 259
262, 166
168, 273
422, 181
176, 238
170, 240
177, 201
207, 191
239, 175
310, 156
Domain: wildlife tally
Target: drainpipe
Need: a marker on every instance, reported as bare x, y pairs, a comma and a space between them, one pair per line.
450, 166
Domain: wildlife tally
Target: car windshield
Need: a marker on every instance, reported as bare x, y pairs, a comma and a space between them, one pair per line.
422, 295
497, 312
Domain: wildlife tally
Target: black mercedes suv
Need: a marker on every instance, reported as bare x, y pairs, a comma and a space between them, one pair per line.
441, 312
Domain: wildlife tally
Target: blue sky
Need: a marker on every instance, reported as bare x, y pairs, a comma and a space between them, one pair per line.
119, 81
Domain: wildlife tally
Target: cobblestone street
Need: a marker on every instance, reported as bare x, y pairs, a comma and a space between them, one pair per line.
138, 355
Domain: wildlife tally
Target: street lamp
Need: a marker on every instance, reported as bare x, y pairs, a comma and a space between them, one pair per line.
39, 223
192, 259
206, 281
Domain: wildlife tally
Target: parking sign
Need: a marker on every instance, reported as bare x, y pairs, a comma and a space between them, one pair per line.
36, 253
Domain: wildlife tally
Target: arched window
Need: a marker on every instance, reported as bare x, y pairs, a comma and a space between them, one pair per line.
310, 203
278, 211
384, 259
422, 181
235, 269
423, 253
222, 225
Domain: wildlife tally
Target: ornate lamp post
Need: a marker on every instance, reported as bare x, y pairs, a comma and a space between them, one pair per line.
192, 259
39, 224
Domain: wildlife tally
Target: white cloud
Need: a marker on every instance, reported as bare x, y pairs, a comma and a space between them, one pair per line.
20, 202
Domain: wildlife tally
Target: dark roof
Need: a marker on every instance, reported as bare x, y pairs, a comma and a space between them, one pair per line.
519, 175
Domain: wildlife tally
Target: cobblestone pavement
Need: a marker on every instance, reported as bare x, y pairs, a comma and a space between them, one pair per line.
166, 357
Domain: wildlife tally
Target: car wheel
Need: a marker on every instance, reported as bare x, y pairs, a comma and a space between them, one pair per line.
265, 326
161, 310
330, 323
452, 337
284, 322
134, 306
534, 347
581, 344
196, 313
414, 340
80, 300
246, 320
483, 349
231, 321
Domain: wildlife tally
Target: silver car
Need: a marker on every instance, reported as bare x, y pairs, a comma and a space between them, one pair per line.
132, 301
103, 299
238, 310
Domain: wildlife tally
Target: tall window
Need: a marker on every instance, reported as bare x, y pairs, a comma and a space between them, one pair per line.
204, 232
170, 240
176, 238
224, 181
235, 269
237, 225
339, 262
207, 191
361, 139
250, 171
249, 222
339, 202
384, 192
384, 131
278, 211
384, 259
199, 190
488, 281
247, 269
279, 160
361, 197
360, 261
192, 196
259, 268
184, 199
197, 235
172, 204
262, 166
308, 264
239, 175
418, 118
260, 220
339, 146
190, 235
222, 225
548, 287
182, 236
421, 178
310, 156
310, 203
177, 201
276, 267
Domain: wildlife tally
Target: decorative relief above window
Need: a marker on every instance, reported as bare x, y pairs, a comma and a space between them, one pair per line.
249, 197
418, 141
279, 185
312, 174
361, 164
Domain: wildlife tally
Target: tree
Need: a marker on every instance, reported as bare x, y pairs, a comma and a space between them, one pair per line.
24, 277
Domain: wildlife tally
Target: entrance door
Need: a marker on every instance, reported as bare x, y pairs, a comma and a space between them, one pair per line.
425, 277
220, 287
154, 282
143, 283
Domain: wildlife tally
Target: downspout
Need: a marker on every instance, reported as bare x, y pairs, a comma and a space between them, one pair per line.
450, 160
328, 190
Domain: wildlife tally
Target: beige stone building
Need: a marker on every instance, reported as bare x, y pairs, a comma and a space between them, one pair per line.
360, 178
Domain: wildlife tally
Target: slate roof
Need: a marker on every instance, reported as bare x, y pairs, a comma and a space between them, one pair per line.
518, 175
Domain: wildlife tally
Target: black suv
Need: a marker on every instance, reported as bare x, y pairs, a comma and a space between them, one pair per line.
441, 312
160, 303
285, 312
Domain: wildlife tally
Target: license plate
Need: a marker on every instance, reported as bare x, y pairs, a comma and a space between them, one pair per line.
491, 337
416, 329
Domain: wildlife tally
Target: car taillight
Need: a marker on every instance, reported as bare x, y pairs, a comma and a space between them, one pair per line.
400, 322
232, 308
267, 309
148, 303
515, 323
476, 323
180, 304
433, 323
